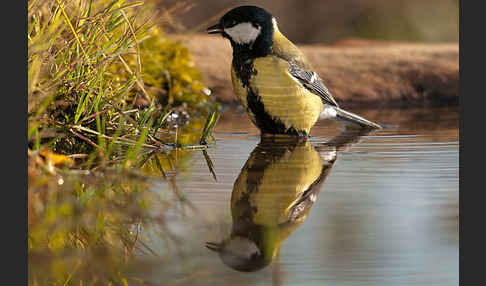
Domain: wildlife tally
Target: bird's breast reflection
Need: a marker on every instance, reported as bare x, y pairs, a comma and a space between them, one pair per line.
272, 196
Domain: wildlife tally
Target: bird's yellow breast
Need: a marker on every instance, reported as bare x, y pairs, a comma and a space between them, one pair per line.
283, 97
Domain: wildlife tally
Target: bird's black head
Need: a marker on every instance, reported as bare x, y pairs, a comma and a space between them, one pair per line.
249, 29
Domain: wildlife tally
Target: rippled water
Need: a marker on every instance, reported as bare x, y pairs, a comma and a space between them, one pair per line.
379, 210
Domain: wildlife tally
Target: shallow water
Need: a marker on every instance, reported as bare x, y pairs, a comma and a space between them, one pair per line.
381, 209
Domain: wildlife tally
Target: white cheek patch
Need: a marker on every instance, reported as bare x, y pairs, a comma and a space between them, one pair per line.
243, 33
242, 248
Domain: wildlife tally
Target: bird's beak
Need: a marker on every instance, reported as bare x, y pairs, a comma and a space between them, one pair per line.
215, 29
214, 246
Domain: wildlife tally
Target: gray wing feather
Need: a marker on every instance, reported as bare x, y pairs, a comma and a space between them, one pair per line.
312, 82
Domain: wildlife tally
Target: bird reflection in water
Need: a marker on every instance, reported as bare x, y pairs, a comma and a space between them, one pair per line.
273, 195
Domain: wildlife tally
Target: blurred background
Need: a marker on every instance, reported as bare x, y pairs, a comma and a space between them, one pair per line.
328, 21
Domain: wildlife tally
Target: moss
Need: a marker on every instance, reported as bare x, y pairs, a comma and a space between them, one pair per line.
168, 73
168, 65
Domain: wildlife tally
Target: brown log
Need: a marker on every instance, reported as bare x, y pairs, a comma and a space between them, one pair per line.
357, 72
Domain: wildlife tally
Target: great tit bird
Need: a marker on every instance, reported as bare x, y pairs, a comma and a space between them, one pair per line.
273, 80
273, 195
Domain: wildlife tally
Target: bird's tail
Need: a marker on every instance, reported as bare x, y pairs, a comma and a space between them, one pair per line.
348, 117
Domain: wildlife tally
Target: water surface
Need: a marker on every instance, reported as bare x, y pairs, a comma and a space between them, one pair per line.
376, 209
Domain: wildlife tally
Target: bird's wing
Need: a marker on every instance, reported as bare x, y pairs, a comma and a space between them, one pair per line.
309, 196
311, 81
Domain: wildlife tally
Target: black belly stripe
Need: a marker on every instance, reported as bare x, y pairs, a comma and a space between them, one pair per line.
264, 121
265, 154
243, 67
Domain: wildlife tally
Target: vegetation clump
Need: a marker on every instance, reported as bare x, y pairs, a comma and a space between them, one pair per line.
100, 72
